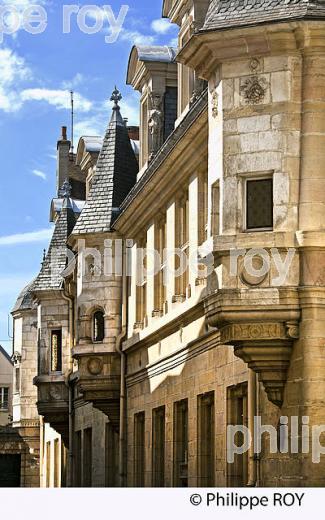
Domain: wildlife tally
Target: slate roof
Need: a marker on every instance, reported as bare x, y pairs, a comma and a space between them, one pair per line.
115, 175
5, 354
223, 14
49, 277
25, 299
161, 53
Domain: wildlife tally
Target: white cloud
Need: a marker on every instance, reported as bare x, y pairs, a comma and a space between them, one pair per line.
39, 173
136, 38
60, 99
74, 82
161, 26
42, 235
13, 72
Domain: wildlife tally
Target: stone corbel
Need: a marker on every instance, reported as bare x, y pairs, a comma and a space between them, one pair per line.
266, 348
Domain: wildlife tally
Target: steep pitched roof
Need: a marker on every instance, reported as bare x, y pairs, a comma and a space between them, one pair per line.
25, 299
5, 354
223, 14
55, 261
114, 177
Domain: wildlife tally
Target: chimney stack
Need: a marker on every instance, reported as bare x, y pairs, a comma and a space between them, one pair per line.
62, 166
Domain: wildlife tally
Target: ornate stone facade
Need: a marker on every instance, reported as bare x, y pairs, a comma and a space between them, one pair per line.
155, 366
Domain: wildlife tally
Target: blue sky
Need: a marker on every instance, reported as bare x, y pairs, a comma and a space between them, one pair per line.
36, 73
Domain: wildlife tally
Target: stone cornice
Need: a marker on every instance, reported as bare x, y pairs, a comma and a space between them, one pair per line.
207, 49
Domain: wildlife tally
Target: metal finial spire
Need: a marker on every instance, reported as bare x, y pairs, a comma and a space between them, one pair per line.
44, 255
116, 97
66, 189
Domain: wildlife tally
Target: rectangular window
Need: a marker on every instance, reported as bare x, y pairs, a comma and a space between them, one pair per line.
159, 282
77, 459
181, 443
237, 415
4, 398
48, 464
203, 207
111, 454
87, 458
182, 243
56, 350
259, 204
158, 447
141, 281
57, 463
206, 439
139, 449
17, 380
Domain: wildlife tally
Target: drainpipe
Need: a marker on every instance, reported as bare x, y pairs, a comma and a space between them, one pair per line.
70, 384
119, 339
252, 473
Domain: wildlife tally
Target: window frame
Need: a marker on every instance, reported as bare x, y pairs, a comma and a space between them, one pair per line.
97, 311
2, 398
245, 180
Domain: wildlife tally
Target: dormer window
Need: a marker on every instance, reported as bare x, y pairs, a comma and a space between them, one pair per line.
98, 326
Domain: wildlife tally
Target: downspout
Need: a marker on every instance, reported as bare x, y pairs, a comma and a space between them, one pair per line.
252, 462
69, 383
119, 339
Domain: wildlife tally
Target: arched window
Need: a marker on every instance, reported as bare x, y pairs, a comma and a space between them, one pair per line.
98, 326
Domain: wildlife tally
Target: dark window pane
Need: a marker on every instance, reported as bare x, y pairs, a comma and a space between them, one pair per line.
99, 326
259, 204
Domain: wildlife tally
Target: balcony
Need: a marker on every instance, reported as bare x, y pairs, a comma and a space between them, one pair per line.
99, 379
53, 403
262, 325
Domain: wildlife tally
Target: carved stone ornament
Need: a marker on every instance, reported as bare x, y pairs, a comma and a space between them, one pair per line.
215, 104
95, 366
255, 65
254, 90
155, 124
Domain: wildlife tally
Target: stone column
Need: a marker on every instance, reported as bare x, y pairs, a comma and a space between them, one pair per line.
311, 236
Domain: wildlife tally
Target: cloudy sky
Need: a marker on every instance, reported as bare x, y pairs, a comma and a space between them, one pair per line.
36, 73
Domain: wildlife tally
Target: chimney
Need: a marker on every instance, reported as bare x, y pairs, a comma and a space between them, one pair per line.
62, 167
133, 132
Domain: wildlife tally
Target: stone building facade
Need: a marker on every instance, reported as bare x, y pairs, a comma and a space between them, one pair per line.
146, 359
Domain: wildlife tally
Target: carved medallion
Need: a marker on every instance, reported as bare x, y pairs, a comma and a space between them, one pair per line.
95, 366
254, 90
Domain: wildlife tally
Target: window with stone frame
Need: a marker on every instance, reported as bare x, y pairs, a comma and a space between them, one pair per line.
87, 458
203, 206
4, 398
181, 443
259, 203
206, 439
98, 326
111, 455
159, 281
237, 415
56, 350
182, 244
141, 284
158, 447
139, 449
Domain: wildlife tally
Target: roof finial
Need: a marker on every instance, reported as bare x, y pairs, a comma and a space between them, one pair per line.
116, 97
44, 256
66, 189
